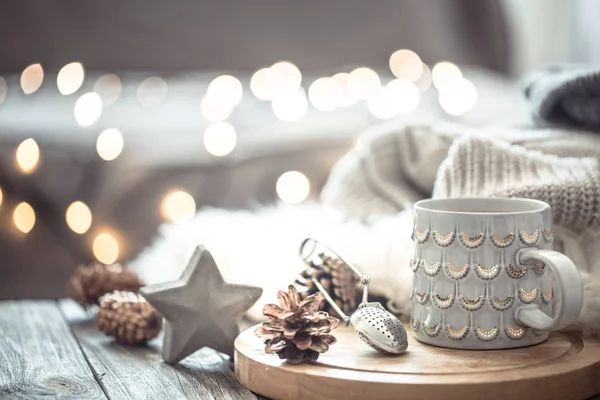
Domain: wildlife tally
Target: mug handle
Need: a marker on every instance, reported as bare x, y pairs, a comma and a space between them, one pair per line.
570, 291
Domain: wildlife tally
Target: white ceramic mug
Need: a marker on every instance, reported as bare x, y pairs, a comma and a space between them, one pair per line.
486, 276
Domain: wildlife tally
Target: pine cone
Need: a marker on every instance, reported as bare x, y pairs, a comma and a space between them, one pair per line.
88, 283
297, 331
128, 317
337, 279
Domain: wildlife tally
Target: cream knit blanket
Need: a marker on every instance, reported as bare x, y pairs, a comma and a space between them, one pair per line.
393, 166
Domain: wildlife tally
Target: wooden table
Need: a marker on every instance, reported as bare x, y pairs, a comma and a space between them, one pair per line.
53, 349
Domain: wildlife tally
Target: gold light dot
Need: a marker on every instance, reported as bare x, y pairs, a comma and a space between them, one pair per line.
350, 95
105, 248
458, 97
152, 92
216, 108
325, 94
445, 72
108, 88
228, 89
220, 139
24, 217
70, 78
293, 187
79, 217
3, 89
0, 196
109, 144
282, 78
364, 82
179, 206
406, 64
88, 108
259, 85
32, 78
291, 106
405, 94
28, 155
424, 82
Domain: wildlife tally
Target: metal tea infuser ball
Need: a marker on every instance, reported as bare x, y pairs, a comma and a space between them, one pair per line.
376, 326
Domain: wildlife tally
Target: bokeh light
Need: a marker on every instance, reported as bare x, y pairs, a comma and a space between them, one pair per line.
382, 103
424, 82
259, 84
109, 144
364, 82
282, 78
350, 95
325, 94
216, 109
88, 108
24, 217
1, 196
220, 139
445, 72
226, 88
405, 94
106, 248
152, 92
108, 88
28, 155
79, 217
290, 106
178, 206
70, 78
292, 187
406, 64
32, 78
3, 89
458, 97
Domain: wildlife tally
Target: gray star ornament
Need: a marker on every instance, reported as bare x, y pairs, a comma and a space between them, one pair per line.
200, 308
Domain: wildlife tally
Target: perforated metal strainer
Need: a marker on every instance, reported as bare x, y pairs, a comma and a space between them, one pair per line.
376, 326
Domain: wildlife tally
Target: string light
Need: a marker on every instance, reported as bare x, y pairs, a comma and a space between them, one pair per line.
28, 155
424, 82
1, 196
32, 78
88, 108
216, 108
70, 78
445, 72
458, 97
79, 217
24, 217
405, 94
325, 94
259, 85
382, 103
283, 78
292, 187
291, 106
105, 248
109, 144
228, 89
220, 139
3, 89
108, 88
350, 95
364, 82
178, 206
406, 64
152, 92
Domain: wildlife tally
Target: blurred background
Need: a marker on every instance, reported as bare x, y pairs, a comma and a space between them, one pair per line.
116, 117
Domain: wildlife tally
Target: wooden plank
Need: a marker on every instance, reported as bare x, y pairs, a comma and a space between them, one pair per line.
139, 372
39, 356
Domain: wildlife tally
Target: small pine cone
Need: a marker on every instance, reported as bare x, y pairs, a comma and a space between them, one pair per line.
128, 317
297, 331
88, 283
336, 278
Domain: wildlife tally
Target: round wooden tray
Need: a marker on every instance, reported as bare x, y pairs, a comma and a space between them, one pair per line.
566, 366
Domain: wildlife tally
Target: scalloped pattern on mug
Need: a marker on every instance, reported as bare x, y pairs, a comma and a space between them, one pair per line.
442, 302
515, 273
421, 236
414, 265
548, 234
443, 240
486, 334
471, 242
471, 304
528, 297
502, 242
487, 273
422, 298
455, 272
538, 268
431, 330
547, 296
515, 333
456, 334
529, 239
501, 304
415, 323
431, 269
